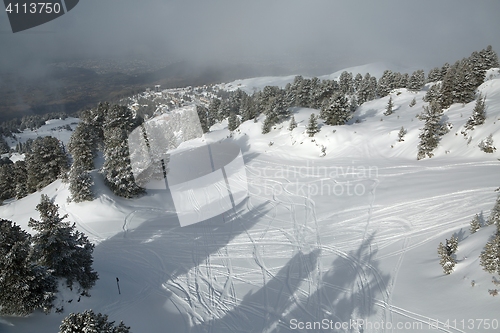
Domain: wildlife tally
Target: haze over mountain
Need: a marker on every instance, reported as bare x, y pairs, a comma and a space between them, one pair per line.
278, 38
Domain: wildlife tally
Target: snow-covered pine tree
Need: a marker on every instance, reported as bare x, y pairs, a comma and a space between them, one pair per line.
224, 110
4, 147
346, 83
233, 122
203, 118
413, 102
337, 111
80, 184
83, 148
357, 81
83, 145
478, 114
448, 86
7, 181
432, 131
466, 82
315, 93
417, 80
487, 145
25, 286
293, 124
385, 84
116, 169
434, 75
213, 112
434, 93
494, 217
312, 126
363, 91
21, 178
475, 224
46, 162
304, 93
489, 258
388, 108
401, 134
490, 58
90, 322
446, 254
353, 104
247, 108
61, 248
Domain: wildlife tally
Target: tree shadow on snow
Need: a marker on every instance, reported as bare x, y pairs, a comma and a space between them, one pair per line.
347, 291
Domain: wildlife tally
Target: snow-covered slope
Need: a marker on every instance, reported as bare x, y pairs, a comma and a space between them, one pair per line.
352, 235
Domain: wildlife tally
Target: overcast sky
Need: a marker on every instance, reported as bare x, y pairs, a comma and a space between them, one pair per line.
332, 33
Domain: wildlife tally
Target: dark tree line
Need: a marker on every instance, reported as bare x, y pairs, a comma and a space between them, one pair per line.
31, 122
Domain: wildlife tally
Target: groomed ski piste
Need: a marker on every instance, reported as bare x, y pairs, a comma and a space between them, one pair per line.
322, 243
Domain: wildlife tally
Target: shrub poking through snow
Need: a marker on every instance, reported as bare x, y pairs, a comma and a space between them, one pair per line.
487, 146
446, 253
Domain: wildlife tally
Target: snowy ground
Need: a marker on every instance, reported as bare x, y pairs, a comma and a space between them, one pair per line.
349, 236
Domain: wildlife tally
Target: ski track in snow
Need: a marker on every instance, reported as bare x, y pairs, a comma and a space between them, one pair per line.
231, 275
209, 290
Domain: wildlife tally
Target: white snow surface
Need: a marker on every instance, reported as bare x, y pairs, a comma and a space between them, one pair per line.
349, 236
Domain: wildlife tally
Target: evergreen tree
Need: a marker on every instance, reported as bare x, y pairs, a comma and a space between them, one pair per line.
117, 169
21, 178
293, 124
203, 117
401, 134
417, 81
304, 93
46, 162
61, 248
248, 108
80, 185
337, 111
25, 286
90, 322
7, 181
448, 86
434, 75
388, 108
385, 84
489, 258
478, 114
494, 217
346, 84
357, 81
475, 224
233, 122
413, 102
83, 147
312, 127
446, 254
487, 145
433, 94
403, 81
4, 147
432, 131
213, 112
315, 93
327, 89
490, 58
224, 110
